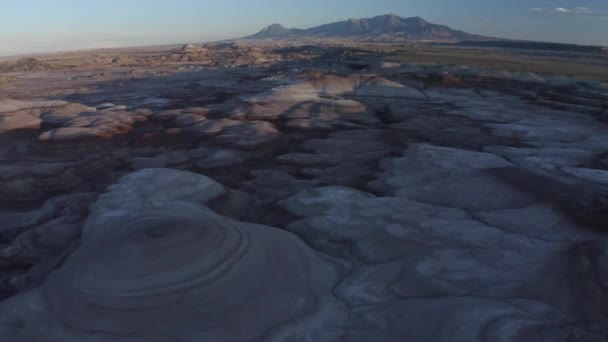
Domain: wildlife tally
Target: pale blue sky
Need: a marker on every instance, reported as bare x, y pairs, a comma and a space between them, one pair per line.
28, 26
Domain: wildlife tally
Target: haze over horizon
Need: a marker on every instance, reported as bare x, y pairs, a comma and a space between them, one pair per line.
42, 26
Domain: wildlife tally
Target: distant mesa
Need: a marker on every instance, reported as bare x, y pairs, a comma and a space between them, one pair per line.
384, 28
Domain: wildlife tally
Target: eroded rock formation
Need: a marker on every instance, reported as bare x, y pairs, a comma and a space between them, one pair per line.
303, 202
154, 263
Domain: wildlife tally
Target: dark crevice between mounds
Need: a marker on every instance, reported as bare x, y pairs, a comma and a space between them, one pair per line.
363, 184
590, 210
269, 212
473, 140
232, 176
7, 289
20, 273
357, 66
601, 162
18, 136
33, 275
383, 114
94, 175
272, 214
199, 97
246, 204
582, 202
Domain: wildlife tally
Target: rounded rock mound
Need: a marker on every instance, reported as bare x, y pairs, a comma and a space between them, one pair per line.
167, 268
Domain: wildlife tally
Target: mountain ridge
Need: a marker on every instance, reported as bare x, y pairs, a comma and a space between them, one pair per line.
388, 27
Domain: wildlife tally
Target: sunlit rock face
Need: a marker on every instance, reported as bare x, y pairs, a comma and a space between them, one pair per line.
70, 121
22, 115
160, 266
324, 102
105, 122
239, 134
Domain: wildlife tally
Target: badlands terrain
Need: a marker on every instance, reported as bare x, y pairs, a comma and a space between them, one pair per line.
284, 191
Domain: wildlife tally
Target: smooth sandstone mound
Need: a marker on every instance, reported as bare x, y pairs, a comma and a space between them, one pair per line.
155, 265
16, 122
91, 124
17, 115
451, 177
324, 102
238, 134
60, 115
8, 105
67, 121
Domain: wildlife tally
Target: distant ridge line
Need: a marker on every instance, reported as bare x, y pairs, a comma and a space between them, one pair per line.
384, 28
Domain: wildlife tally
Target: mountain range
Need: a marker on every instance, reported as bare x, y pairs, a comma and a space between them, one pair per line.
384, 28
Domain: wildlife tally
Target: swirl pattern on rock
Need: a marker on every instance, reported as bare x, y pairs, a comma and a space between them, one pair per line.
174, 270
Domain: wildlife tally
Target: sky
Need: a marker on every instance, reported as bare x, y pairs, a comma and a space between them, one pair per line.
33, 26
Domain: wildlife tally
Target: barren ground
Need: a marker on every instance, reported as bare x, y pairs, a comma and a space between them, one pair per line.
237, 192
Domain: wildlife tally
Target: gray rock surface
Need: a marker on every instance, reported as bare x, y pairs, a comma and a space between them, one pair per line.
38, 180
452, 178
435, 268
269, 193
154, 264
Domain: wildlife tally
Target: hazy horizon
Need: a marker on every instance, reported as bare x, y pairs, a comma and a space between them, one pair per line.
64, 25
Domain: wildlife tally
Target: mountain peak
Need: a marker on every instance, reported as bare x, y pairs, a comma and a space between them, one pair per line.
274, 27
386, 17
272, 31
384, 28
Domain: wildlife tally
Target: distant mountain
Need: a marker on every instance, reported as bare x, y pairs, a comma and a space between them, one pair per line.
276, 31
384, 28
